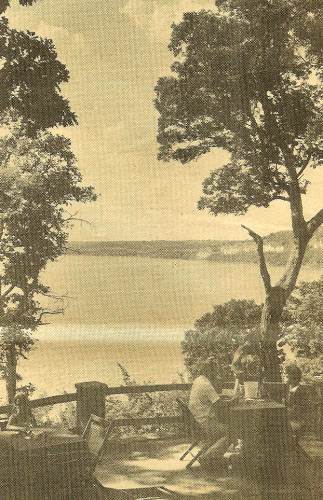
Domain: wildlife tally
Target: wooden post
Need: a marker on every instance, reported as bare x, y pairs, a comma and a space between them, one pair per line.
90, 398
319, 389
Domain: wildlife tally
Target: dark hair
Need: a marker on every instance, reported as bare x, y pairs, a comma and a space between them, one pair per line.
210, 370
294, 373
22, 404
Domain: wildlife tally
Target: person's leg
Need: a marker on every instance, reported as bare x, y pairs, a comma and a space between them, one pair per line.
216, 451
217, 437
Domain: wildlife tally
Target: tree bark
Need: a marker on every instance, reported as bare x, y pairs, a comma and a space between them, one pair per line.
275, 300
11, 372
270, 331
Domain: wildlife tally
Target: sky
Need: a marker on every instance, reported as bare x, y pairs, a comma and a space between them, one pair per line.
115, 51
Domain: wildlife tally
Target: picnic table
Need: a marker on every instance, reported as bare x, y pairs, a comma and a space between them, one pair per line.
42, 466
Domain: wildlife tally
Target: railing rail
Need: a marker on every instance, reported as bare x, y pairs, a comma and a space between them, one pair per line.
140, 389
110, 391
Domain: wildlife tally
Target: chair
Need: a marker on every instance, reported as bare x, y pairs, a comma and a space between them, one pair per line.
194, 430
154, 493
66, 472
96, 433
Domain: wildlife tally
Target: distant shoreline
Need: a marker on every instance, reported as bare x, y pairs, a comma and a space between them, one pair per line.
276, 247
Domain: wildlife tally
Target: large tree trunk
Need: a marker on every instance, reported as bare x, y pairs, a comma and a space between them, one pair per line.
11, 372
270, 331
276, 298
275, 301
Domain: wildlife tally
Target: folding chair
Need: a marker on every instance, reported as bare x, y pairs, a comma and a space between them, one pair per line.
154, 493
96, 433
194, 431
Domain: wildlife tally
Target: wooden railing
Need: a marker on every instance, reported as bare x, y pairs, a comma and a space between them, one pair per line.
109, 391
90, 398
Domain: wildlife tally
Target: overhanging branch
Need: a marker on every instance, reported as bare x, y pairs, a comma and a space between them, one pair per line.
314, 223
281, 197
7, 291
306, 163
262, 260
55, 311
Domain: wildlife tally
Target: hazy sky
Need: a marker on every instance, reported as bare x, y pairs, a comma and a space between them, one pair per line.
115, 51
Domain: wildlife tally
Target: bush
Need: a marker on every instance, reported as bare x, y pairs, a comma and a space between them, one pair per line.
155, 404
217, 335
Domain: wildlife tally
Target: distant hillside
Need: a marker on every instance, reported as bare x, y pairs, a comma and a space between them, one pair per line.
276, 246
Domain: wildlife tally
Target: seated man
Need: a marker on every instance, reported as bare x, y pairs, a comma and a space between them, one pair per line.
22, 416
204, 396
297, 400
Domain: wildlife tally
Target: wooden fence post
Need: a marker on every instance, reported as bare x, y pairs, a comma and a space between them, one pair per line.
319, 388
90, 398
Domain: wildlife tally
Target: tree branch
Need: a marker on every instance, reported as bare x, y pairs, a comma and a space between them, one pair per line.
280, 197
315, 222
262, 260
11, 287
308, 159
55, 311
73, 218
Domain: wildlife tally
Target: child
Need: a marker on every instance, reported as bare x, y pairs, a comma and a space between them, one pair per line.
22, 416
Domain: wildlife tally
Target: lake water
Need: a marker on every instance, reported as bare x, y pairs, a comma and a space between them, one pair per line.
130, 310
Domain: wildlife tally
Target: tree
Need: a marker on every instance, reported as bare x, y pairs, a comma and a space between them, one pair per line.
248, 78
34, 164
39, 179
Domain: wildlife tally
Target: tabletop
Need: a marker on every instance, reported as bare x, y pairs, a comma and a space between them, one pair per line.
45, 462
40, 437
257, 404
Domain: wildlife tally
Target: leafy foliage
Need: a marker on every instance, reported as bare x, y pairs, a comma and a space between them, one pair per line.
217, 335
30, 80
304, 330
143, 405
4, 4
39, 179
243, 80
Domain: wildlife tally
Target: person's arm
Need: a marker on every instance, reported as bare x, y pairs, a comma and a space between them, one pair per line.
13, 424
32, 420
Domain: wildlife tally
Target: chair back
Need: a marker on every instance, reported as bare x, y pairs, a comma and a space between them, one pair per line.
96, 434
191, 427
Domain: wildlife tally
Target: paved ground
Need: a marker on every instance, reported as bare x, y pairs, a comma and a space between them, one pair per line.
157, 463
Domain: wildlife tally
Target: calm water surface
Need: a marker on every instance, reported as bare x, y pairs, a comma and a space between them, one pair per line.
130, 310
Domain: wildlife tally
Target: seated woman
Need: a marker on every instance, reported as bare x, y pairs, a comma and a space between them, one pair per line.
297, 400
22, 416
204, 398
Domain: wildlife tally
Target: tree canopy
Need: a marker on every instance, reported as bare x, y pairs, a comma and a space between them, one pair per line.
247, 78
39, 178
4, 4
30, 80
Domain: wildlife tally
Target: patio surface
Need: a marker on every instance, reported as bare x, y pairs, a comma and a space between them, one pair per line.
156, 463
